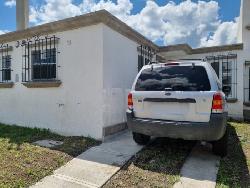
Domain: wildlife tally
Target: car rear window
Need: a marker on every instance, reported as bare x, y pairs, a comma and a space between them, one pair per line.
173, 78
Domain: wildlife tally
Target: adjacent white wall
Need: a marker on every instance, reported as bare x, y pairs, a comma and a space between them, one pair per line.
75, 107
244, 20
120, 59
244, 37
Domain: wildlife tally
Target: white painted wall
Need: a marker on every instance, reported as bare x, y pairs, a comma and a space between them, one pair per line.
243, 33
244, 37
120, 59
80, 61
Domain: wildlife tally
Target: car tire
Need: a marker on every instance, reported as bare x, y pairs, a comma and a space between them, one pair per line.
220, 146
141, 139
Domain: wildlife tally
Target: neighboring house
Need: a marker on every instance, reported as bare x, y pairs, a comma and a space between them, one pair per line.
72, 76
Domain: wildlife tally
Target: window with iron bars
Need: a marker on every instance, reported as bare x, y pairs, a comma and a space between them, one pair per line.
6, 64
145, 56
225, 67
44, 64
40, 60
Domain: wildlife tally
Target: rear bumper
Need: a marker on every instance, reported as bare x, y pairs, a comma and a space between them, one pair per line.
210, 131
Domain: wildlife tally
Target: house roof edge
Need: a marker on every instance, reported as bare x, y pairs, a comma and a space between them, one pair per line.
93, 18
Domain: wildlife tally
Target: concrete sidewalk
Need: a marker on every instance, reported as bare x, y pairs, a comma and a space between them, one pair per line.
200, 169
94, 167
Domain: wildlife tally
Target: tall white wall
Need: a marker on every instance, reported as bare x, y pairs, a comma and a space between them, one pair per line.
120, 59
74, 107
244, 37
243, 33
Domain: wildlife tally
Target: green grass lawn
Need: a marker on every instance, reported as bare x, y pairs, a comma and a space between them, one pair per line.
157, 165
234, 168
23, 164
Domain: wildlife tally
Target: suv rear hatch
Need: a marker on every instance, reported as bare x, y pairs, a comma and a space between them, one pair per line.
173, 92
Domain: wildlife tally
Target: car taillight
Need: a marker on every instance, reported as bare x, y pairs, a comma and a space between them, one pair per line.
130, 101
217, 106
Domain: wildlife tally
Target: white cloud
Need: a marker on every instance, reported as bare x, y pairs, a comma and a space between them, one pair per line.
196, 23
53, 10
186, 22
226, 33
10, 3
3, 31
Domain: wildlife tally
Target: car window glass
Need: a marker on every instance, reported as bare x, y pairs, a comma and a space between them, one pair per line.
173, 78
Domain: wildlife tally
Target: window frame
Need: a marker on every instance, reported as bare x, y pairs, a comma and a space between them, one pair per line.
41, 48
226, 59
6, 77
145, 56
44, 60
6, 64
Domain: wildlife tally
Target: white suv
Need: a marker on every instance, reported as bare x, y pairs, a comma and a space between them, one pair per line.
179, 100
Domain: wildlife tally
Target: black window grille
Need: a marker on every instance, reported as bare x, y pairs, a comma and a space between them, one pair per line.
225, 67
145, 56
44, 64
40, 59
6, 63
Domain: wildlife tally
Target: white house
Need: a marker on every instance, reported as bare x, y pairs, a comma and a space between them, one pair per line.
72, 76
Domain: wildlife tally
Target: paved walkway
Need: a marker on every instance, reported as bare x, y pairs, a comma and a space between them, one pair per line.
200, 169
94, 167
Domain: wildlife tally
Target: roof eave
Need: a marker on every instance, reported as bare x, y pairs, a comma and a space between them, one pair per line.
188, 50
93, 18
222, 48
179, 47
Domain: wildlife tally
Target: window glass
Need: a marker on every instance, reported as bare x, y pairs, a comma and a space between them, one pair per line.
140, 62
174, 78
44, 64
226, 68
227, 74
6, 68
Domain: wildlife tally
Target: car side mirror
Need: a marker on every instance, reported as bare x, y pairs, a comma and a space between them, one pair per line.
226, 90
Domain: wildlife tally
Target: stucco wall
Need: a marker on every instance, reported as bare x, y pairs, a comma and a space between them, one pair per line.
244, 34
119, 71
74, 107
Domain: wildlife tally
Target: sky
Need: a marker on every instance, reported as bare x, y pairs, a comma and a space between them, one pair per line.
199, 23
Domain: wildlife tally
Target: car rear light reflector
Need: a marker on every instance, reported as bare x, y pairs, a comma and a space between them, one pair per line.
130, 101
217, 106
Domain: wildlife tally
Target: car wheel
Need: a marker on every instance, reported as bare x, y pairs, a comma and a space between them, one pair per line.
141, 139
220, 146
